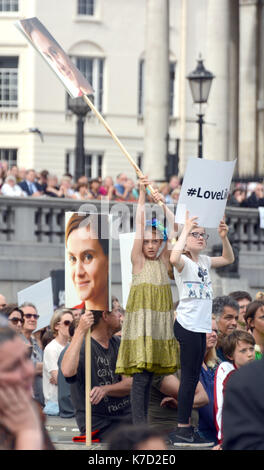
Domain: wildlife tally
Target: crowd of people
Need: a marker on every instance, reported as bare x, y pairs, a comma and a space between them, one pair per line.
49, 364
22, 182
158, 364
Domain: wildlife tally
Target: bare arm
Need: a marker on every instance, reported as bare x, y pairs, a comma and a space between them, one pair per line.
137, 257
54, 377
227, 256
170, 387
70, 361
176, 254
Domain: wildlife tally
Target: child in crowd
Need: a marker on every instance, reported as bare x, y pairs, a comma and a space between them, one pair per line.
194, 313
148, 345
239, 347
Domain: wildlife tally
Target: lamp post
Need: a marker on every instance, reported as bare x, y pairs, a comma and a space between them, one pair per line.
80, 108
200, 81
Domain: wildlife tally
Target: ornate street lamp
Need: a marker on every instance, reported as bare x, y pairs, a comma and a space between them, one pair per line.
200, 81
80, 108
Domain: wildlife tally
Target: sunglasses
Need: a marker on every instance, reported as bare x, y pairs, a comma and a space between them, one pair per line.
197, 235
31, 315
15, 320
67, 322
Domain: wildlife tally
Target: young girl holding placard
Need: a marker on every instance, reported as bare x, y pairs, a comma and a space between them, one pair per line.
148, 345
194, 313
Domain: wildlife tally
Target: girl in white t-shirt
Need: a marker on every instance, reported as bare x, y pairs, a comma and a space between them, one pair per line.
194, 313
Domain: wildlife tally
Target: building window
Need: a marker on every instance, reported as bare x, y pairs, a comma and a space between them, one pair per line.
9, 156
8, 82
171, 88
93, 70
8, 5
93, 164
86, 7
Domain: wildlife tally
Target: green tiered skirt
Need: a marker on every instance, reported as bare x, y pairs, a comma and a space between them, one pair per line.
148, 341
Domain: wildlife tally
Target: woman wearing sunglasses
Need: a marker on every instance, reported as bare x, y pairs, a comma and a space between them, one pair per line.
60, 322
194, 313
15, 317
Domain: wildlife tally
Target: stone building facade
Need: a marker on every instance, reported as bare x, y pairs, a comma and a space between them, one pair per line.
137, 54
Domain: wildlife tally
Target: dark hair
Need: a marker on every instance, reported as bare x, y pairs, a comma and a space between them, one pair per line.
6, 311
251, 311
230, 342
6, 333
240, 294
79, 220
219, 303
128, 437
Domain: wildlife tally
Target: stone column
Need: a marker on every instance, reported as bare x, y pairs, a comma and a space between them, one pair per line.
260, 104
216, 132
156, 85
247, 86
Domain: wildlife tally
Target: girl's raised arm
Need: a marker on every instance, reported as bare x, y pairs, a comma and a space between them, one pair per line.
176, 254
137, 253
227, 256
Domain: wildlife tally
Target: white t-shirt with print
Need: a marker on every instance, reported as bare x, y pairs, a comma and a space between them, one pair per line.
194, 311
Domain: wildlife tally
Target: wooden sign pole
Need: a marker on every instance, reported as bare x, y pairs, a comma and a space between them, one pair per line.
88, 406
116, 139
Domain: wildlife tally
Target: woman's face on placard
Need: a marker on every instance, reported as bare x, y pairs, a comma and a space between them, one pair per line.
89, 267
54, 54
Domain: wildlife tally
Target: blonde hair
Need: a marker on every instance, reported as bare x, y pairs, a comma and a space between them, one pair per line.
56, 318
260, 296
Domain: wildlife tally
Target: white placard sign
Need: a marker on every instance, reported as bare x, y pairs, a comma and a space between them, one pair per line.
204, 191
126, 241
41, 295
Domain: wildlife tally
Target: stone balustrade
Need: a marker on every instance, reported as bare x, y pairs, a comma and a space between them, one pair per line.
32, 237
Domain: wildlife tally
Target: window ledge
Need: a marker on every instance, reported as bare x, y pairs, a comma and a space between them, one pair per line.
86, 19
10, 14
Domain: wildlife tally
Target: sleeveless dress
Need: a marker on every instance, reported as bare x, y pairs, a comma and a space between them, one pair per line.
148, 341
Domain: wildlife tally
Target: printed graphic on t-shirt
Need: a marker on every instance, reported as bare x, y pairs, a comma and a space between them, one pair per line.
201, 289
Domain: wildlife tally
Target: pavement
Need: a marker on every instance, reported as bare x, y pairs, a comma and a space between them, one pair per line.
62, 430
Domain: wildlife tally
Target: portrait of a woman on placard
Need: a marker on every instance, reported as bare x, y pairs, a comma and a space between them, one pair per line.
75, 83
87, 244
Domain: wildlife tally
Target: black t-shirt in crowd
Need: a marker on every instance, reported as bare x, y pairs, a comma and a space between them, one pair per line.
103, 364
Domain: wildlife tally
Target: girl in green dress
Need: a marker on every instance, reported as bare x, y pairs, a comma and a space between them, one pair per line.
148, 345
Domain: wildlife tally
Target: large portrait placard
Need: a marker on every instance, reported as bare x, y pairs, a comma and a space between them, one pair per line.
54, 55
88, 260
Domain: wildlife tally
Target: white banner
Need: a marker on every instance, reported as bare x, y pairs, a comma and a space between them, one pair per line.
40, 295
204, 191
